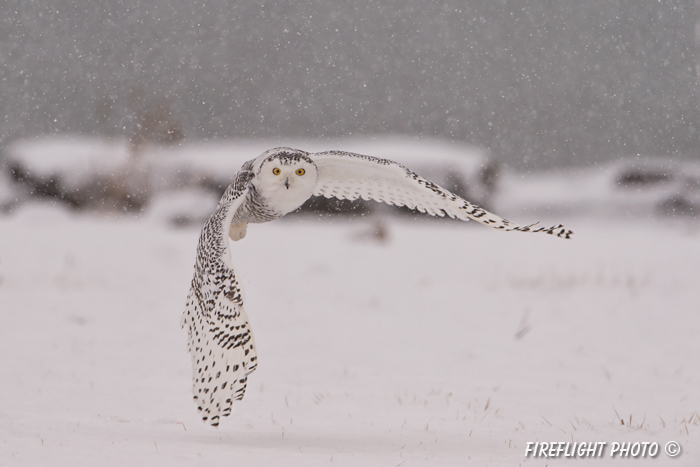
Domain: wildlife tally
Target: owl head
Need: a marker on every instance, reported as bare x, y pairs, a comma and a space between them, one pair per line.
286, 178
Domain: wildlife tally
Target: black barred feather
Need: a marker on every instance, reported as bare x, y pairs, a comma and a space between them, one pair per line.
220, 339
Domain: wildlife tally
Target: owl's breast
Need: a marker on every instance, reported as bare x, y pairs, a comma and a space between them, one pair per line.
280, 200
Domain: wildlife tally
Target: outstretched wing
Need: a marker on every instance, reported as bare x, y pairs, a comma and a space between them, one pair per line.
220, 339
345, 175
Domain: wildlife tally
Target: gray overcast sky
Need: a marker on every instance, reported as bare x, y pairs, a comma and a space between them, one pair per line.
538, 82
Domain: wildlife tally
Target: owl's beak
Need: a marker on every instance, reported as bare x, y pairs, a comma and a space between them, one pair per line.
286, 182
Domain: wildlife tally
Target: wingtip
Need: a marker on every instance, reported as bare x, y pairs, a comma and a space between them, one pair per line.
566, 233
560, 231
557, 230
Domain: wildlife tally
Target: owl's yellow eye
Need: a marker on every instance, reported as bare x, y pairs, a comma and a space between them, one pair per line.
301, 171
276, 171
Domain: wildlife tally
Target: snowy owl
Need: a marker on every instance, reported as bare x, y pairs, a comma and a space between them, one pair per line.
266, 188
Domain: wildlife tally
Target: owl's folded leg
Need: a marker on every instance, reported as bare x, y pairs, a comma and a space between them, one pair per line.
237, 231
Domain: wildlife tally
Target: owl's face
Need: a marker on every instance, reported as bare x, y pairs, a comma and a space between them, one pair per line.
286, 179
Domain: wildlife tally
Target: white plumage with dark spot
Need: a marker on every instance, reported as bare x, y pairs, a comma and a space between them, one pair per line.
276, 183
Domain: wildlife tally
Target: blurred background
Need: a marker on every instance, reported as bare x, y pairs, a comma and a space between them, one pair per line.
122, 121
529, 85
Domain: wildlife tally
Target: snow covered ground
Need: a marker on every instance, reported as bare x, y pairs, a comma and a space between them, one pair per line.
446, 344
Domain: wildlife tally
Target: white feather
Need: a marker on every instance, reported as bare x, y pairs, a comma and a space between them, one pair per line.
351, 176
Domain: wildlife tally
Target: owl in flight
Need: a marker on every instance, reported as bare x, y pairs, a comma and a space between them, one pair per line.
266, 188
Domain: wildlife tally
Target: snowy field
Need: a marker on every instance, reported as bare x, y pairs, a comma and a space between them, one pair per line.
445, 344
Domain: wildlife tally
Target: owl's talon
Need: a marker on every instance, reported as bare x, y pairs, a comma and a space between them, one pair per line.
237, 231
